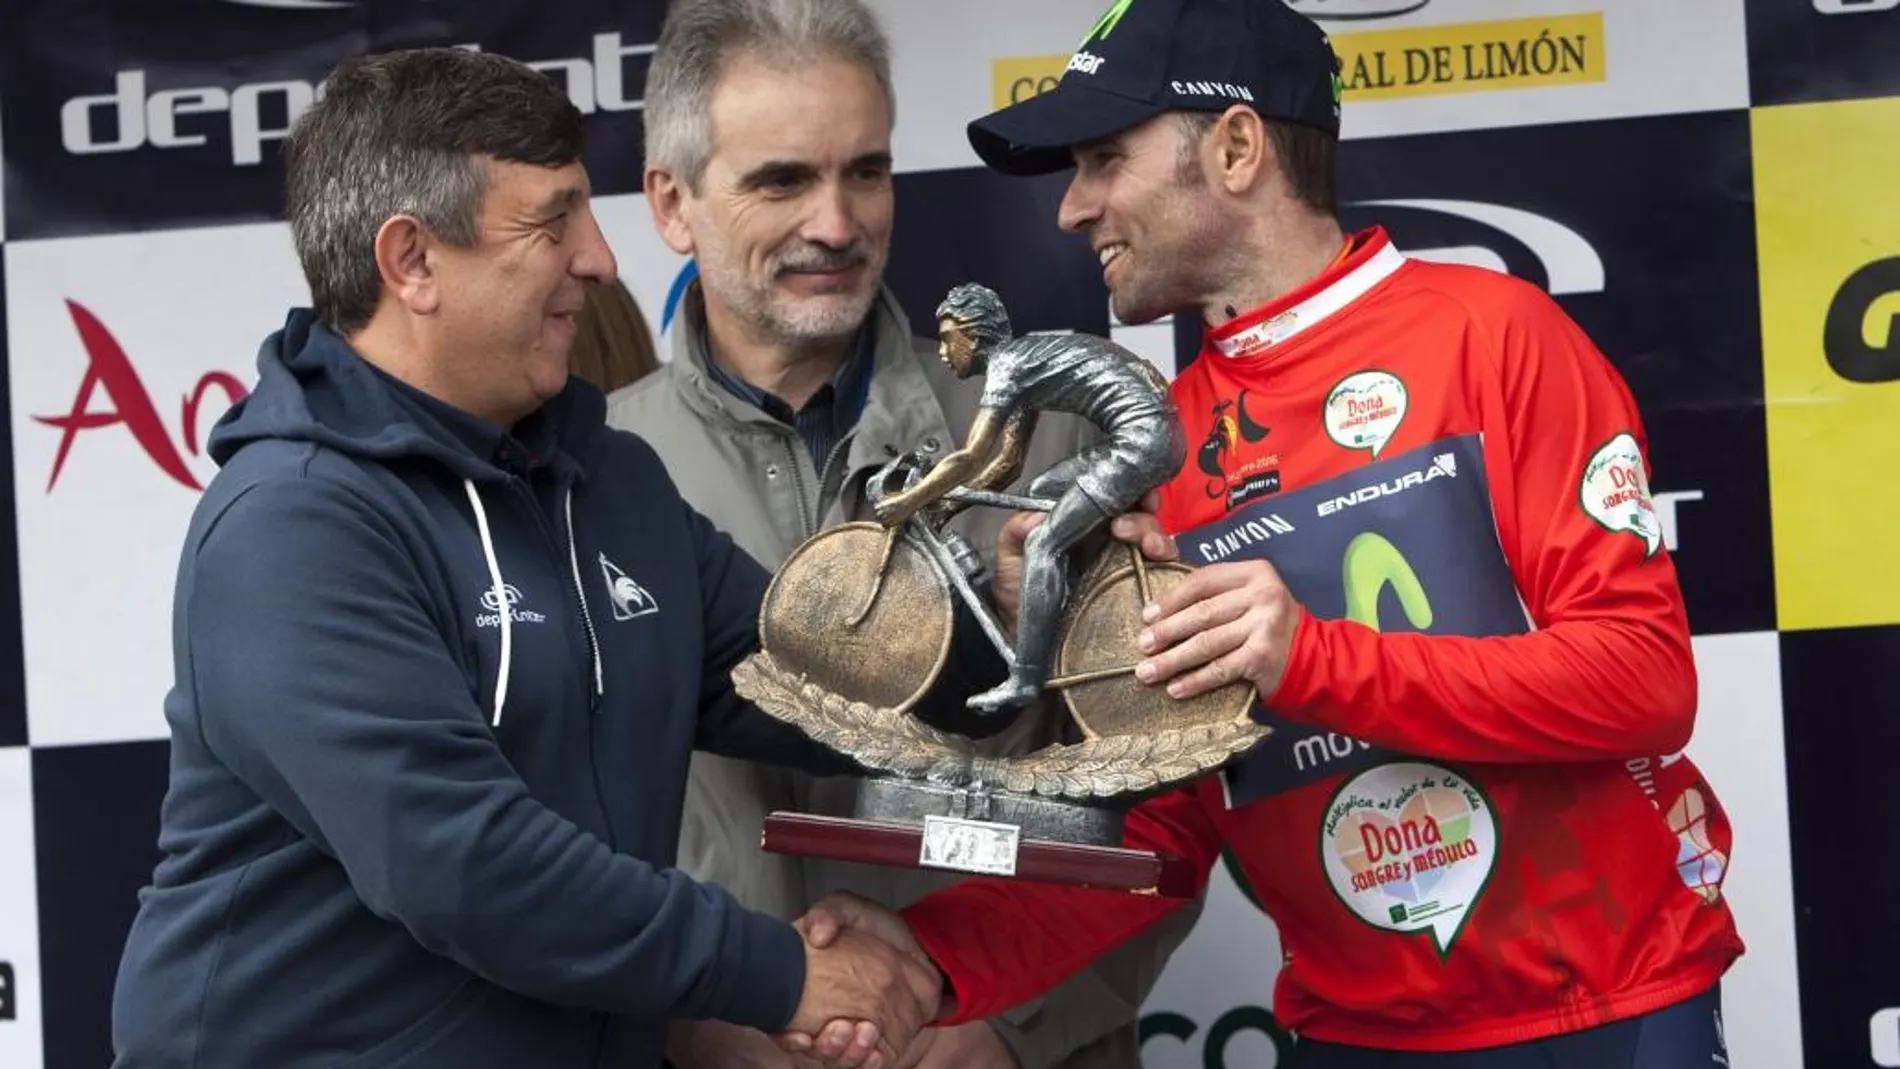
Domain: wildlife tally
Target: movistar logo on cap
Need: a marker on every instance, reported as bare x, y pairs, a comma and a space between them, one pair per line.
1084, 63
1106, 24
1339, 83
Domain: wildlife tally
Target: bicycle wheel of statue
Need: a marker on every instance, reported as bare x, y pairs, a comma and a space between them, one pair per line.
1103, 625
855, 621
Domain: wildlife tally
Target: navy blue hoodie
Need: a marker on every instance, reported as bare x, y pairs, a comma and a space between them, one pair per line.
399, 832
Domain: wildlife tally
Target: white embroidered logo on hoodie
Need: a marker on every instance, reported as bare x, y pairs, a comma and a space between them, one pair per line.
630, 599
492, 617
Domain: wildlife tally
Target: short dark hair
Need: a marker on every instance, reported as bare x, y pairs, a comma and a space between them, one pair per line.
403, 133
1308, 155
979, 311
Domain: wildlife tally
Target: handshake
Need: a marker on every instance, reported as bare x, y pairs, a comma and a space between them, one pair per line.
869, 989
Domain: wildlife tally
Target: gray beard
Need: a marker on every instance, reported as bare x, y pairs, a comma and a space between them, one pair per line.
777, 316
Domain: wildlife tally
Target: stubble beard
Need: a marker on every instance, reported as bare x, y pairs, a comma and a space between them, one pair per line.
775, 314
1179, 277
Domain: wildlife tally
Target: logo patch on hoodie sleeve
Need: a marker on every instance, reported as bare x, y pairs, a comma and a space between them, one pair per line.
629, 598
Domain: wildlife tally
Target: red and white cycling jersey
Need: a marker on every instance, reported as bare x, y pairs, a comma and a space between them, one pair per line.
1472, 822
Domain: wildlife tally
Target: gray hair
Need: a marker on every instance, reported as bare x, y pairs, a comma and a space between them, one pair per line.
403, 133
700, 37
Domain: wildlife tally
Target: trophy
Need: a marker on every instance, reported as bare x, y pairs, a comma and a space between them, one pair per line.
857, 626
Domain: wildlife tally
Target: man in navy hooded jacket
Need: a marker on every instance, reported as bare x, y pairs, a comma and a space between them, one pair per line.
443, 643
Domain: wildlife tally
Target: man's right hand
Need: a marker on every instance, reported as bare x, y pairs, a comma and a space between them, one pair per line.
865, 998
841, 916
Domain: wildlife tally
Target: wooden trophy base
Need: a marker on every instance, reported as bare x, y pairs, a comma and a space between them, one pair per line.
978, 848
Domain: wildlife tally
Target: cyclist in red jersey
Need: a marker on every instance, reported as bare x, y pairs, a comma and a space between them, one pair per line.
1420, 516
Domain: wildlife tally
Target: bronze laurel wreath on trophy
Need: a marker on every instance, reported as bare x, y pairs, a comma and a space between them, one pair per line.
817, 667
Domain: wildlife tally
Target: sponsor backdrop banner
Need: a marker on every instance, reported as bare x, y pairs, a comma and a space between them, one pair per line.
1706, 186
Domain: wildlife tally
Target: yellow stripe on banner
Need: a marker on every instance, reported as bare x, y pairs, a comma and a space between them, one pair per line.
1462, 57
1021, 77
1472, 57
1828, 240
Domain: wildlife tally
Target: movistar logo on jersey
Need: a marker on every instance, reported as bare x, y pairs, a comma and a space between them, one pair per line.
1405, 544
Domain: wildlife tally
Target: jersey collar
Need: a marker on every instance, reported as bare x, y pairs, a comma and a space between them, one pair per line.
1373, 258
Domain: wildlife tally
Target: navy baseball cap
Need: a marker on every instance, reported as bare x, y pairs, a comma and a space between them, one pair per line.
1146, 57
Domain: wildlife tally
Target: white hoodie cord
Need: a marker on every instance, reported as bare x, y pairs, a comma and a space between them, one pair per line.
503, 610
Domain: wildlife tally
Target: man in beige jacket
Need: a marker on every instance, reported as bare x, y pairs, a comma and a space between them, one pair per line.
793, 376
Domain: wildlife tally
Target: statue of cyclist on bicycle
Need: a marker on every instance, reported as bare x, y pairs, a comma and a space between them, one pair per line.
1088, 376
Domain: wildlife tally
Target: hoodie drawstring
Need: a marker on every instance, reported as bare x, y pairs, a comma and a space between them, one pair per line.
503, 610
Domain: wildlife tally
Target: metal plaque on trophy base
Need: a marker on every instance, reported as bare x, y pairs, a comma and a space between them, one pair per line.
1040, 860
857, 627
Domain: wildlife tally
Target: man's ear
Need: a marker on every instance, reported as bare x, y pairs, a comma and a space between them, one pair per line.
1239, 148
403, 246
666, 198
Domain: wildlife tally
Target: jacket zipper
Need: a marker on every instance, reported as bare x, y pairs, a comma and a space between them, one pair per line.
810, 509
831, 458
806, 507
587, 617
552, 540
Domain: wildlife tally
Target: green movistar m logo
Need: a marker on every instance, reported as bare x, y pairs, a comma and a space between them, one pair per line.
1106, 24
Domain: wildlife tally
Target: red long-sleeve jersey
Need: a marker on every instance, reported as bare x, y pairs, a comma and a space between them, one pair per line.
1472, 823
